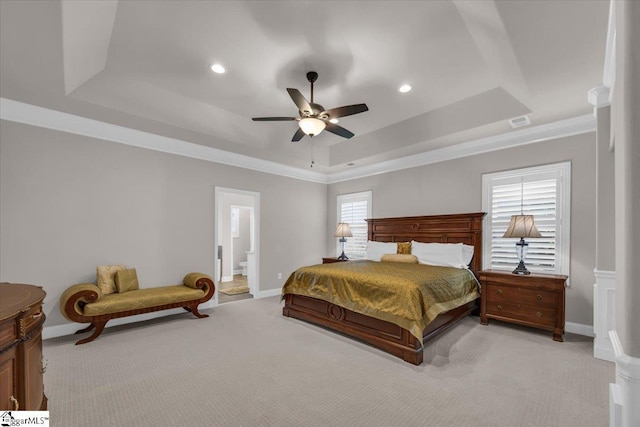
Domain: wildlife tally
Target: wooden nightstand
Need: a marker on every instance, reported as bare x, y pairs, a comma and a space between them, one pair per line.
535, 300
329, 260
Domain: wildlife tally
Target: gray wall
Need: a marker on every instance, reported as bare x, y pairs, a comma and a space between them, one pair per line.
69, 203
455, 186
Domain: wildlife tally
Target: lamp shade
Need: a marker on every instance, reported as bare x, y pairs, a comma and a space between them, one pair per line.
522, 226
343, 230
311, 126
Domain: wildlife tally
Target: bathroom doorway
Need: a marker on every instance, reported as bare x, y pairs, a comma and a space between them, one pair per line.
237, 237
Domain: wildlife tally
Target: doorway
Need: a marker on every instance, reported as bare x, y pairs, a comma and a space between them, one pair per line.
237, 239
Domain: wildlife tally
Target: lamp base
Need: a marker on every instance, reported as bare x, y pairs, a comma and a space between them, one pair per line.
521, 269
342, 257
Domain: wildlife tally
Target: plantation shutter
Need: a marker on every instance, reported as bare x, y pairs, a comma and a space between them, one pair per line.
354, 209
540, 192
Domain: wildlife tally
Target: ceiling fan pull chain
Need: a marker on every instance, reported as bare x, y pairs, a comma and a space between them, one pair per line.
313, 154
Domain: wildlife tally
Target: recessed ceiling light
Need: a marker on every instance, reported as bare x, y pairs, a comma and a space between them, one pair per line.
404, 88
217, 68
334, 121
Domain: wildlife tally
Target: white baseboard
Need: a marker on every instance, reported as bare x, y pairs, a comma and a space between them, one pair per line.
71, 328
268, 293
227, 279
579, 328
237, 272
603, 353
624, 395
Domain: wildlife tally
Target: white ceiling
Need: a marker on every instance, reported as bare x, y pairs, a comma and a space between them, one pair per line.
145, 65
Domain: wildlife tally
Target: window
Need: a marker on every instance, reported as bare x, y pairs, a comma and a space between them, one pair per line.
543, 192
353, 209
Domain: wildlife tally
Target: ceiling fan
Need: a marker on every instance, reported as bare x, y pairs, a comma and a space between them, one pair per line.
313, 117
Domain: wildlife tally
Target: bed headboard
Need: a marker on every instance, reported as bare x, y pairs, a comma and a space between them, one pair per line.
456, 228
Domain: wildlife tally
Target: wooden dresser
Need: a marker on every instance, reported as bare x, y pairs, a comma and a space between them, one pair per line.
535, 300
21, 363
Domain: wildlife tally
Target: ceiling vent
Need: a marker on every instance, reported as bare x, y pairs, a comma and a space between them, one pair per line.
518, 122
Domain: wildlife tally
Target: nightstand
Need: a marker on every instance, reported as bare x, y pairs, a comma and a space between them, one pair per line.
329, 260
535, 300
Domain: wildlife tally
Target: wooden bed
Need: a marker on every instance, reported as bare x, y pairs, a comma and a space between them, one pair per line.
457, 228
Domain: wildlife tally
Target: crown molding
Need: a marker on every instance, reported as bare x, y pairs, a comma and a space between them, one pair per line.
20, 112
560, 129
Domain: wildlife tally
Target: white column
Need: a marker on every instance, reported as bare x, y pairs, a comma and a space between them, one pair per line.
625, 393
604, 271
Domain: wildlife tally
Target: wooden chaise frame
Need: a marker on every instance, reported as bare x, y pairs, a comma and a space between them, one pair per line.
457, 228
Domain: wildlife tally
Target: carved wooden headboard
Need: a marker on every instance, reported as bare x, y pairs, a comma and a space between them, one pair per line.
456, 228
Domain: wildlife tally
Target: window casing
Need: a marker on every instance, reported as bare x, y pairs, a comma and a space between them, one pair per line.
353, 209
542, 191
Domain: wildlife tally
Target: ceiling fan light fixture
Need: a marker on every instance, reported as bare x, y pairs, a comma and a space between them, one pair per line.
217, 68
334, 121
311, 126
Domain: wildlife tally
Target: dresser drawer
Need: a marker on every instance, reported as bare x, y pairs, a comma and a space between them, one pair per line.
534, 297
32, 318
542, 316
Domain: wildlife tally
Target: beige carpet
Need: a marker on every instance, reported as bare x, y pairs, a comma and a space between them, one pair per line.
247, 365
235, 290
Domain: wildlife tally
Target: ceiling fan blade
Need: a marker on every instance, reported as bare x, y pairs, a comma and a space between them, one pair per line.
298, 135
338, 130
273, 119
347, 110
300, 101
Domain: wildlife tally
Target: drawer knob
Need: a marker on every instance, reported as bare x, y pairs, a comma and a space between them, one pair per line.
538, 315
539, 297
500, 307
499, 291
37, 315
16, 404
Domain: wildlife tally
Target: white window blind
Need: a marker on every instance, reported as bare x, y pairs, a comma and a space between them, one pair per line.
542, 192
353, 209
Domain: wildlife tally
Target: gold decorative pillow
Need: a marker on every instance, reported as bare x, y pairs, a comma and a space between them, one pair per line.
405, 258
404, 248
106, 275
126, 280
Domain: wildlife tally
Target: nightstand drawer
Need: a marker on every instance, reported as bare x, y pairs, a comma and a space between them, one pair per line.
539, 315
534, 297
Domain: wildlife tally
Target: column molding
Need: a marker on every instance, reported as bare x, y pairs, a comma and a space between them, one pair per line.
604, 314
624, 395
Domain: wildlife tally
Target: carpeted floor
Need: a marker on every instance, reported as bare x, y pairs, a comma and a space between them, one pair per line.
247, 365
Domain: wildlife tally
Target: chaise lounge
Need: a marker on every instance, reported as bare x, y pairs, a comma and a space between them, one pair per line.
89, 303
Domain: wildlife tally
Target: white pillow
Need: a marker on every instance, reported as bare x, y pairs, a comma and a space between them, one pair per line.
443, 254
467, 254
375, 250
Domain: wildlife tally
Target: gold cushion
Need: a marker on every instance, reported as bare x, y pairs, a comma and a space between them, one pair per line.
142, 298
406, 258
126, 280
106, 275
404, 248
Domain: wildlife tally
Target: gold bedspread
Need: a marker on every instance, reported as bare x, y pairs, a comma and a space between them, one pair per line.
408, 295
